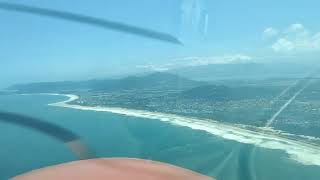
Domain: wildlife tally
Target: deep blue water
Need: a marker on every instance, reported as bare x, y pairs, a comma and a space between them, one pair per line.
110, 135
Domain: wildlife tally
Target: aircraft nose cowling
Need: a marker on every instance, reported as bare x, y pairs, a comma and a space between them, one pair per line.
113, 168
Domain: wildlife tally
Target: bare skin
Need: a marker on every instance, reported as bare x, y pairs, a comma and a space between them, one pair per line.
113, 168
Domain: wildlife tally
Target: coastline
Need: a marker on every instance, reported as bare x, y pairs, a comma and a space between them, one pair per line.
300, 151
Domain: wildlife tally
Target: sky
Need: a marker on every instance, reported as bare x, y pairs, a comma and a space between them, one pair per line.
34, 48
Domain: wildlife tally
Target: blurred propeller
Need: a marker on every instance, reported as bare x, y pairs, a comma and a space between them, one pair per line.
116, 26
70, 139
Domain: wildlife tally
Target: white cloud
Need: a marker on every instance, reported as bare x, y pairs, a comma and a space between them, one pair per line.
283, 45
296, 38
316, 40
270, 32
198, 61
153, 67
227, 59
295, 28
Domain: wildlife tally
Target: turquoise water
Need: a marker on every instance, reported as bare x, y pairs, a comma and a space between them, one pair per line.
110, 135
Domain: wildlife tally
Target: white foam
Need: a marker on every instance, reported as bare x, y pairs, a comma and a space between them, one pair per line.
298, 150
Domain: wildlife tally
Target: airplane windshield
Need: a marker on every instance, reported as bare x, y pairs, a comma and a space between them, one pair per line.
227, 89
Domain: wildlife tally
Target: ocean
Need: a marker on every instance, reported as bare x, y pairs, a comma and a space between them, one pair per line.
214, 151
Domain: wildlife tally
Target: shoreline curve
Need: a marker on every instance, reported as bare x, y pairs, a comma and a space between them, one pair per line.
303, 152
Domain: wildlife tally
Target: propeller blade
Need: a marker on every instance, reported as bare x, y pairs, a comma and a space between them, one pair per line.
103, 23
70, 139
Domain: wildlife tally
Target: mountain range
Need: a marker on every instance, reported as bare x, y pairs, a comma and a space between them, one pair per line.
244, 71
159, 81
188, 89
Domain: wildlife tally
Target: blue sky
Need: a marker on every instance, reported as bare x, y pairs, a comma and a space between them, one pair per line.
213, 31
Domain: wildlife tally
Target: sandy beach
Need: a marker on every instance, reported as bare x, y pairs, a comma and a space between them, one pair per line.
298, 150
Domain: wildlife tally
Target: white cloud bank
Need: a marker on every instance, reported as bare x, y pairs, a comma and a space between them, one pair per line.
226, 59
293, 39
198, 61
